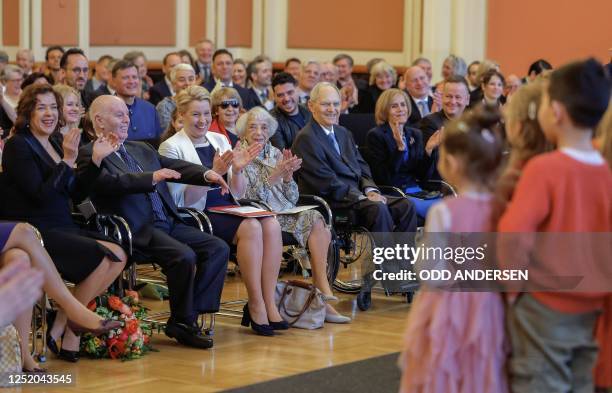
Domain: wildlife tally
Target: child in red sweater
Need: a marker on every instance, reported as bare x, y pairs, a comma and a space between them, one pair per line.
568, 190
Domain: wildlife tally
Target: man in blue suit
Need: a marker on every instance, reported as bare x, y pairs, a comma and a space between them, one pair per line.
223, 63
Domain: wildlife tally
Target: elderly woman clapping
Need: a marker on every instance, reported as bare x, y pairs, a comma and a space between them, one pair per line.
269, 178
258, 240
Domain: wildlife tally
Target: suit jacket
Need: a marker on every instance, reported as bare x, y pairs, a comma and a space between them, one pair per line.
415, 113
340, 178
119, 191
159, 91
35, 188
248, 101
102, 90
179, 146
287, 130
388, 164
428, 125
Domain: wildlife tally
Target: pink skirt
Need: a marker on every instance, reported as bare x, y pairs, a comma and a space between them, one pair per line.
455, 343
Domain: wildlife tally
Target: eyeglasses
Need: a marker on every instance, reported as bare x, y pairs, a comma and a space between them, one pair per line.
228, 103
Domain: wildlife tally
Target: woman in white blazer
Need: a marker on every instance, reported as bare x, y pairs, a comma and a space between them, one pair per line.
259, 266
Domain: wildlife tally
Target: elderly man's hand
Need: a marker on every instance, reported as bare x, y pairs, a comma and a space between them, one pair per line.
215, 178
376, 197
165, 174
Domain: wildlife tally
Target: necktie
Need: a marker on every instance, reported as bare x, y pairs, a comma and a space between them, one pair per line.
263, 96
424, 108
206, 72
156, 202
332, 138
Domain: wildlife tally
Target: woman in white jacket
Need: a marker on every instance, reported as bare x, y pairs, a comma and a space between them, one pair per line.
259, 265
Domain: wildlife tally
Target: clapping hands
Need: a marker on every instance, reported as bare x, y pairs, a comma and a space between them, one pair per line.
285, 167
103, 146
243, 156
70, 146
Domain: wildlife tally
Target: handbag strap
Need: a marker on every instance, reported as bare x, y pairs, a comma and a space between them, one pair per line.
307, 303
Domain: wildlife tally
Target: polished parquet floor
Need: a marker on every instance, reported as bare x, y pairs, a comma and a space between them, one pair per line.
239, 357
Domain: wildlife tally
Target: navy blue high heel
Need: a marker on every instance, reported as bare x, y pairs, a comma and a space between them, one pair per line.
262, 330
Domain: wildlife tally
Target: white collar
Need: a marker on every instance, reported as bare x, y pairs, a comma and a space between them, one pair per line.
417, 100
169, 85
592, 157
327, 130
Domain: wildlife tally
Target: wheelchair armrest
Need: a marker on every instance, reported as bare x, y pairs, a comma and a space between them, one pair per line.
438, 185
255, 203
392, 190
307, 199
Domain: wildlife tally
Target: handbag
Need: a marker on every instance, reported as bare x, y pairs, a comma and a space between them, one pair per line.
300, 304
10, 353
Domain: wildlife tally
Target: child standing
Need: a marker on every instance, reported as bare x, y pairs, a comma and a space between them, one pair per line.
454, 341
568, 190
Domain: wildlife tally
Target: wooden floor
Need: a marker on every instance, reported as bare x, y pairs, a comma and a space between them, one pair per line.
241, 358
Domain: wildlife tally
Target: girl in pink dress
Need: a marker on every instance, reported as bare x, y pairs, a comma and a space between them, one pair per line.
455, 341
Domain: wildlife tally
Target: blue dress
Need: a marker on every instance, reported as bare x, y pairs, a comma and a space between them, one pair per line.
224, 226
6, 228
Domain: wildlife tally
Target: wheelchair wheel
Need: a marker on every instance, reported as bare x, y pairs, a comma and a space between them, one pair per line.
356, 244
333, 259
364, 300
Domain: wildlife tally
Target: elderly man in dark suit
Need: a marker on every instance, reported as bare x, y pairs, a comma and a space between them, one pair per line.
333, 168
290, 115
417, 87
132, 182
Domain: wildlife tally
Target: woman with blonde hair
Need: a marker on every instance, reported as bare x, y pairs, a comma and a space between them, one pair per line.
382, 77
226, 107
258, 240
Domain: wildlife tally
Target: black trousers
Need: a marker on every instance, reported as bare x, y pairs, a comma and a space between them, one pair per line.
195, 264
397, 215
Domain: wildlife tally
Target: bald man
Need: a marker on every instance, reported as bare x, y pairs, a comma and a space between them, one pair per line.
131, 182
417, 87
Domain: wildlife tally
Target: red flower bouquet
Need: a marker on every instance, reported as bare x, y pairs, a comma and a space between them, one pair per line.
131, 341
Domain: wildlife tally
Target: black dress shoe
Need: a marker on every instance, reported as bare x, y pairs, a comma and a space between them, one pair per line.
280, 325
69, 356
262, 330
188, 335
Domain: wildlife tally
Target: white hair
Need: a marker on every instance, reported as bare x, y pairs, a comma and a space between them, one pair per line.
257, 113
180, 67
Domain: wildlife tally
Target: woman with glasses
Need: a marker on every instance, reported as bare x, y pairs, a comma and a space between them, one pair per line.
11, 78
258, 240
226, 107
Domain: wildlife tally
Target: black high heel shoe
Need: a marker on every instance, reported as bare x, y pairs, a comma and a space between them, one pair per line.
280, 325
51, 343
69, 356
262, 330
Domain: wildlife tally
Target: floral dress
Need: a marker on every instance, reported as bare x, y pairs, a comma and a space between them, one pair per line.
281, 196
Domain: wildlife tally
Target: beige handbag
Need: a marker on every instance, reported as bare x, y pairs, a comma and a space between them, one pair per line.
300, 304
10, 354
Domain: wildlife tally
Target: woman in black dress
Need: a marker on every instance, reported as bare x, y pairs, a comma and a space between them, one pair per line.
39, 183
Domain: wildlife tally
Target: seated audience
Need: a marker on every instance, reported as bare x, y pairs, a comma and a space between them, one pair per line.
175, 125
512, 84
132, 183
39, 182
101, 75
11, 78
309, 77
258, 241
223, 61
269, 178
493, 88
289, 114
36, 78
382, 77
75, 72
484, 67
204, 49
452, 66
329, 73
425, 64
239, 73
293, 66
163, 88
261, 81
472, 75
349, 87
333, 168
25, 60
181, 77
455, 96
72, 112
187, 58
535, 69
53, 56
398, 150
226, 107
417, 87
139, 59
144, 121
